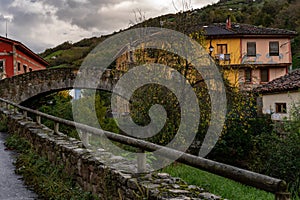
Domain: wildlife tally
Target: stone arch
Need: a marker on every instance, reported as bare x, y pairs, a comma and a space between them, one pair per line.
25, 86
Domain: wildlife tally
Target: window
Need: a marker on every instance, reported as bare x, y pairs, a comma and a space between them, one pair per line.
19, 66
222, 48
1, 66
248, 75
25, 68
280, 107
274, 48
222, 52
251, 49
264, 75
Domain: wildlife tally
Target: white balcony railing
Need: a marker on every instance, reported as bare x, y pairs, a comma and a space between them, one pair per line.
225, 57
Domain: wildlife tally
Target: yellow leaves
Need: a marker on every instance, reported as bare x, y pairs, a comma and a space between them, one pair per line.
64, 93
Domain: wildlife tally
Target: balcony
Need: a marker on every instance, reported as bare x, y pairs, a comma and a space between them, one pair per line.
224, 57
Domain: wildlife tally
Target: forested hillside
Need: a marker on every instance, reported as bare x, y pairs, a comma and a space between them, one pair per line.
283, 14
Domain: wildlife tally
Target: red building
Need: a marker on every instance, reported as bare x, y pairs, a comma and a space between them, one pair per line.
16, 58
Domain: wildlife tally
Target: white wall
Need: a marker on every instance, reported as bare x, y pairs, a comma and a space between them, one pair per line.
270, 100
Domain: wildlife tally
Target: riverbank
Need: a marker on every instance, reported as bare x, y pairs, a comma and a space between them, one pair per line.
12, 186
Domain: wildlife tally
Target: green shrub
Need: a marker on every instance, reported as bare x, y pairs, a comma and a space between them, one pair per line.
241, 126
280, 157
19, 144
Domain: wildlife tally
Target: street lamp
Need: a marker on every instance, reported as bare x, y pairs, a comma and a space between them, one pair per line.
211, 48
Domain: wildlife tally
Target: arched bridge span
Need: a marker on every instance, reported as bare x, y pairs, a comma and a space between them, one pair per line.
23, 87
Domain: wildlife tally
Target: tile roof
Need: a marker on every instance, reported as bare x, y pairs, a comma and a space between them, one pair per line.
289, 82
247, 29
219, 29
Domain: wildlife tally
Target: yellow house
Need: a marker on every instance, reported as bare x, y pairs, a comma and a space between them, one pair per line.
249, 55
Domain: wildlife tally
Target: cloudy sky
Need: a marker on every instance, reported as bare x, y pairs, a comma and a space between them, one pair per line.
41, 24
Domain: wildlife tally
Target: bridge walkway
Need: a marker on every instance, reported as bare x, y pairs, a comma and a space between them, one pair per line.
12, 186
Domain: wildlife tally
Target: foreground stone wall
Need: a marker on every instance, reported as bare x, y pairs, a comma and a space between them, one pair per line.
87, 169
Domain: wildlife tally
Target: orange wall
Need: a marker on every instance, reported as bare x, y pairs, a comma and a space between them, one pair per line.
233, 48
262, 51
237, 48
276, 73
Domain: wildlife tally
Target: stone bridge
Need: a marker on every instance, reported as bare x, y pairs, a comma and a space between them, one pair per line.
23, 87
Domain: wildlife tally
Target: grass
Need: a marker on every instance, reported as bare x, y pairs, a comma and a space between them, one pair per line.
47, 180
71, 56
217, 185
56, 53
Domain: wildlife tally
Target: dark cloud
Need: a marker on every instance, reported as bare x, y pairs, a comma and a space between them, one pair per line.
85, 14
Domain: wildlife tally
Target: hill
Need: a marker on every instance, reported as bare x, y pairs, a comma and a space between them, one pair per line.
283, 14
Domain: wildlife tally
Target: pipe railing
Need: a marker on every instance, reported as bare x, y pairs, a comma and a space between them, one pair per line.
263, 182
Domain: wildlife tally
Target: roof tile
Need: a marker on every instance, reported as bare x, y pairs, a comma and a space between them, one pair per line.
219, 29
289, 82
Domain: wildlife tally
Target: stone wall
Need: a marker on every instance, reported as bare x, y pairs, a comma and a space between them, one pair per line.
87, 169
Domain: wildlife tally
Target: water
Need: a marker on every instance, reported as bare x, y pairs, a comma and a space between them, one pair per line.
12, 186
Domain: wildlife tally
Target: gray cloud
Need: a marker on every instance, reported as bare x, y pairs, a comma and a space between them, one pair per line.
42, 24
86, 14
2, 18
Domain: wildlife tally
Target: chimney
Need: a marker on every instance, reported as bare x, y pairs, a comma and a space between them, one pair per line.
228, 22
